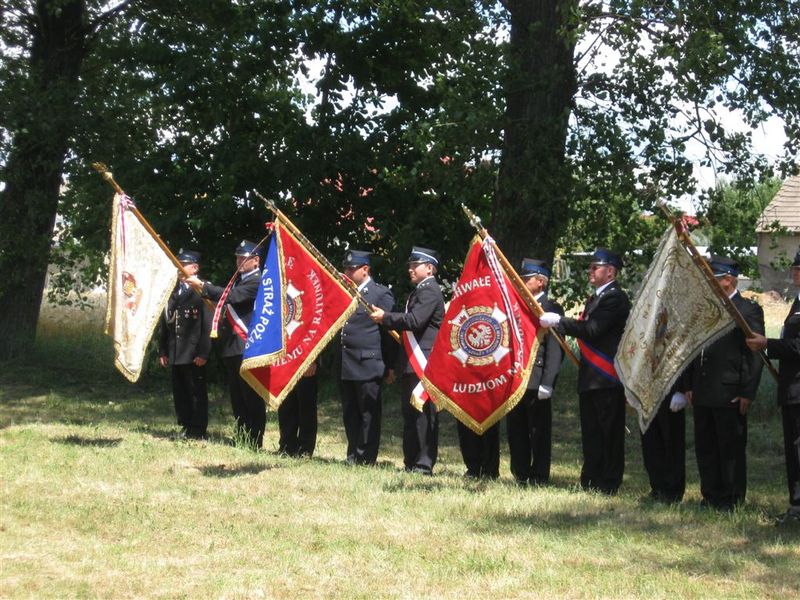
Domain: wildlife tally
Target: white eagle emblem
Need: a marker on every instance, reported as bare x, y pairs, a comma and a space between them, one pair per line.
479, 335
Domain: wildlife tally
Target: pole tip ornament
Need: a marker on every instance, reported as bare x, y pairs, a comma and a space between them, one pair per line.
474, 219
103, 170
270, 204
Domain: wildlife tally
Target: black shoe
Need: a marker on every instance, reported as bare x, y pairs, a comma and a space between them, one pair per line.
422, 471
791, 518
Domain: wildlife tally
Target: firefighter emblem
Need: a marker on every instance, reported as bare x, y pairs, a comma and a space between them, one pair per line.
133, 293
294, 309
479, 335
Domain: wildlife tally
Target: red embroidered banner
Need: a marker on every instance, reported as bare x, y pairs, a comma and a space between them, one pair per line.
316, 306
484, 352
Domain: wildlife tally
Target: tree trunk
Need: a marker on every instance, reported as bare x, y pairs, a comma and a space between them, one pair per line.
44, 122
530, 208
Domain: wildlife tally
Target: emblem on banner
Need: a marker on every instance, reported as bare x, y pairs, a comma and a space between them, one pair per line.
479, 335
294, 309
133, 293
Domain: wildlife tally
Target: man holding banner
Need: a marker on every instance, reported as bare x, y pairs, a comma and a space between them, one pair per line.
724, 381
184, 345
786, 349
367, 355
530, 422
237, 300
419, 323
601, 395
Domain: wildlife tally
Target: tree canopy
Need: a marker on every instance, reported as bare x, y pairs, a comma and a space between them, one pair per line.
559, 122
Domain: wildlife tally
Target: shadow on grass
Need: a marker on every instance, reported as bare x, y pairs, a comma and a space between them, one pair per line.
77, 440
725, 539
415, 482
224, 471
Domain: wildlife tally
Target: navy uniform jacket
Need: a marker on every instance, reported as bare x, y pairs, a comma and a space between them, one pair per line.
423, 316
242, 298
601, 327
185, 328
727, 368
787, 351
550, 354
366, 348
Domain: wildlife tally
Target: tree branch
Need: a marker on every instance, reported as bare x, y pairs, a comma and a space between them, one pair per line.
103, 18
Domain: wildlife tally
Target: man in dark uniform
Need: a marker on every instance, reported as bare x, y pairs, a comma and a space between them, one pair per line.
664, 449
184, 345
297, 417
787, 350
422, 318
481, 453
724, 381
601, 395
249, 409
366, 352
529, 423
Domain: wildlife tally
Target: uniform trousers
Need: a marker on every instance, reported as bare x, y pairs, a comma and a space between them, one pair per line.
361, 414
529, 426
297, 419
191, 398
664, 454
420, 429
481, 453
602, 414
720, 441
249, 410
791, 446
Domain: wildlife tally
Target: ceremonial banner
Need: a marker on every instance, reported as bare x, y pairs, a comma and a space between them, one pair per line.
316, 307
266, 340
141, 278
483, 355
674, 316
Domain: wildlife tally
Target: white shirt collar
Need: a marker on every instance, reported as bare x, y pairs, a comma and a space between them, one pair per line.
599, 290
539, 295
731, 295
248, 274
364, 283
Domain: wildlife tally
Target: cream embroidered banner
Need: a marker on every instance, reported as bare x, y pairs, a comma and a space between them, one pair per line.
675, 314
141, 278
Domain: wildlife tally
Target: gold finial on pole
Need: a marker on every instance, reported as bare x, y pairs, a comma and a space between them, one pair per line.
474, 219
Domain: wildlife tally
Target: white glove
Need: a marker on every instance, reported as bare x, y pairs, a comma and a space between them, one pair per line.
545, 392
549, 319
678, 401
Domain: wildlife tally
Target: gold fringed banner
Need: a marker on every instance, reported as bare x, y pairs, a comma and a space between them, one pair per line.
674, 316
141, 278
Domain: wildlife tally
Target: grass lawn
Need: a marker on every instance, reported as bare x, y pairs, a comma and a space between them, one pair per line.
97, 500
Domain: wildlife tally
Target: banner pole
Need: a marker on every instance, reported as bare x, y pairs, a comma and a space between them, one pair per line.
345, 281
516, 280
702, 264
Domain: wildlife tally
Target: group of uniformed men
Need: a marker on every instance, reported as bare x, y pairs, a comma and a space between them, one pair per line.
719, 385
